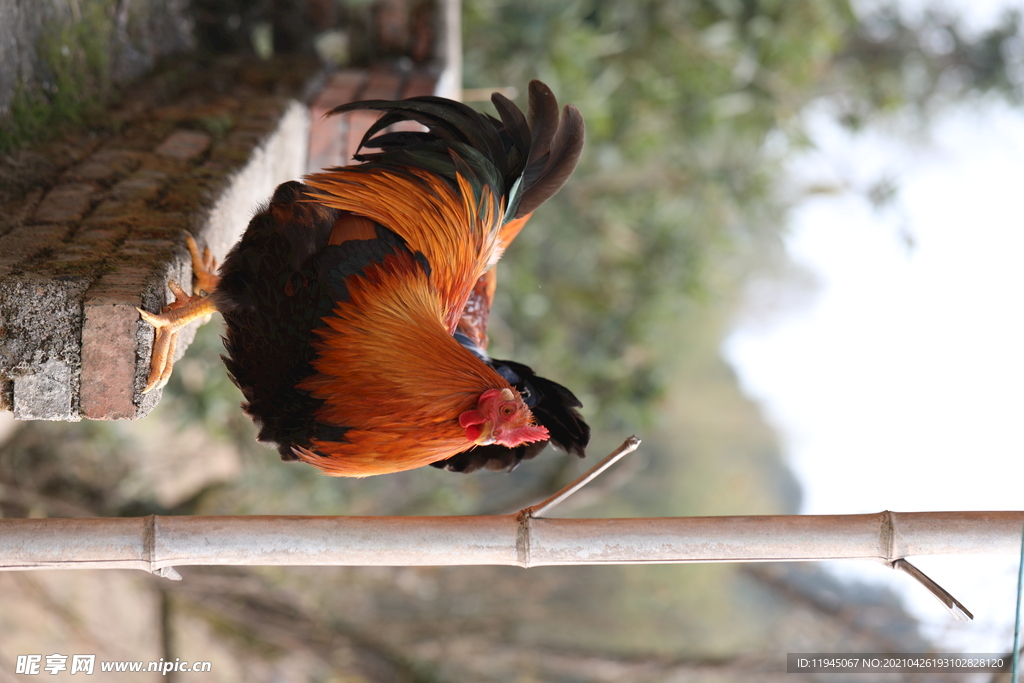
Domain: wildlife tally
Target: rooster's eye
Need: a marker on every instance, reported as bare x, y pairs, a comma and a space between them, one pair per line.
507, 410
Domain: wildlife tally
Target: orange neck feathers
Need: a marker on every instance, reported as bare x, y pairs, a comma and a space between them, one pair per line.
456, 232
388, 369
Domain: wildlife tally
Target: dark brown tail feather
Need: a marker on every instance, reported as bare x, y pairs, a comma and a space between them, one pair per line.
555, 149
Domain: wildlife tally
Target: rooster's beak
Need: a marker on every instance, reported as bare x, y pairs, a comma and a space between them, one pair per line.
486, 438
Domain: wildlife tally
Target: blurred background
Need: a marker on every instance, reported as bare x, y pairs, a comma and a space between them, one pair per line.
719, 134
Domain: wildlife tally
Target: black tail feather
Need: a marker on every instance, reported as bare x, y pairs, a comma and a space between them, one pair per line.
555, 148
541, 149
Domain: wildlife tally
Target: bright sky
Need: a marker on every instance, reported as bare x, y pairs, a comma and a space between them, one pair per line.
900, 384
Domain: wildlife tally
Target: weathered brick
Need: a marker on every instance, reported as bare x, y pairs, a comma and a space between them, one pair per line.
6, 396
21, 244
214, 174
223, 109
119, 209
72, 260
262, 115
69, 202
25, 241
382, 85
105, 164
356, 125
98, 235
140, 186
328, 141
184, 145
166, 225
185, 195
146, 247
243, 138
76, 252
42, 316
419, 83
91, 170
7, 264
423, 26
121, 285
162, 164
391, 26
108, 360
229, 154
97, 244
16, 212
341, 88
46, 394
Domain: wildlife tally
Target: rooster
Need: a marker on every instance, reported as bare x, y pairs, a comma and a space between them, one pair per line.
344, 298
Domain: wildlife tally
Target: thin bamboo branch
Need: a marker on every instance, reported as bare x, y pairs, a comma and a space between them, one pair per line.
627, 447
954, 606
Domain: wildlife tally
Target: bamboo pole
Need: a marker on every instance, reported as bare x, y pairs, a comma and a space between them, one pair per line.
158, 544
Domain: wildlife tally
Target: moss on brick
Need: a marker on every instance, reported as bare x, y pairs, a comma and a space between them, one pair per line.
77, 55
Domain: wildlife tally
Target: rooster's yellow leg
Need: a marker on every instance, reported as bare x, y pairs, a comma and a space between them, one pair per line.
179, 313
203, 268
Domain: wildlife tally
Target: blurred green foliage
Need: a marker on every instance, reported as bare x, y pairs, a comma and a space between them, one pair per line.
692, 108
64, 63
674, 194
921, 65
76, 59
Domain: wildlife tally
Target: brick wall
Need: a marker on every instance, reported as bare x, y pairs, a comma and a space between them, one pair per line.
79, 253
